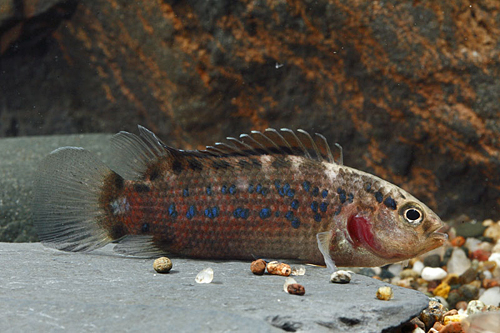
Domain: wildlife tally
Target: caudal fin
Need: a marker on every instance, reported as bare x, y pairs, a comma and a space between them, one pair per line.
66, 209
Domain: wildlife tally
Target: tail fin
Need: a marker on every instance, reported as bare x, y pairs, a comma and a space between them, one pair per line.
67, 212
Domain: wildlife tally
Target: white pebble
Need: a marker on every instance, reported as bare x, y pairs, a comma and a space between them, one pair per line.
205, 276
418, 266
472, 244
458, 262
288, 281
491, 296
433, 273
487, 275
495, 257
475, 307
340, 277
298, 270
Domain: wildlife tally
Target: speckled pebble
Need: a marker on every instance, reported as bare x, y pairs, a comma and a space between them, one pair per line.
258, 267
475, 306
341, 277
162, 265
279, 268
296, 289
385, 293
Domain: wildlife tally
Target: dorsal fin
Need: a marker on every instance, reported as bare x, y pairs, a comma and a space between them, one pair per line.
277, 143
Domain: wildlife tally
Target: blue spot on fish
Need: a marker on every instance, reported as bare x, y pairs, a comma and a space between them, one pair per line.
289, 215
250, 188
323, 207
215, 211
171, 209
191, 212
342, 195
295, 204
284, 190
290, 193
185, 192
209, 190
306, 186
224, 189
241, 213
324, 193
379, 196
350, 197
314, 206
145, 227
277, 184
295, 223
232, 189
317, 217
212, 212
315, 192
264, 191
258, 189
237, 212
265, 213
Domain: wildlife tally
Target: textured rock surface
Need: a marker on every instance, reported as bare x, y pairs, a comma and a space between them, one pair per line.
410, 89
44, 289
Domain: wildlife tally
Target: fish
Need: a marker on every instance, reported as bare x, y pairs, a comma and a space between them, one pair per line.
269, 194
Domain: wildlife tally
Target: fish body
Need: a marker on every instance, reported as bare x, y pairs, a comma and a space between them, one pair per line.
277, 194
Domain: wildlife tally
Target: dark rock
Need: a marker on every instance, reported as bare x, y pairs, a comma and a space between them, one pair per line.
367, 272
197, 71
73, 290
434, 260
470, 229
464, 293
468, 276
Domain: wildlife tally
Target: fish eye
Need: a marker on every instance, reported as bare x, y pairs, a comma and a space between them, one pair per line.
412, 215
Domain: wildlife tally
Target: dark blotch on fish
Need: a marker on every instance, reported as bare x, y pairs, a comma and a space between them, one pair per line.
145, 227
390, 203
379, 196
141, 188
195, 165
177, 167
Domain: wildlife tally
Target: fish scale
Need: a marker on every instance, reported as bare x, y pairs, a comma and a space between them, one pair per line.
277, 194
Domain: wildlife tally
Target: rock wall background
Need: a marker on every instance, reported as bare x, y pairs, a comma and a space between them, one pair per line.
409, 88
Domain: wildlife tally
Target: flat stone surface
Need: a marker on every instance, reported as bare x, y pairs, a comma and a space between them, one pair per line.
19, 158
50, 290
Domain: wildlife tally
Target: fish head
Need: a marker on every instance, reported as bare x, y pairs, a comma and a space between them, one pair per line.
394, 230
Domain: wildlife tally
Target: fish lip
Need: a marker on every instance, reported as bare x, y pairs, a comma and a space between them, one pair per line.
439, 236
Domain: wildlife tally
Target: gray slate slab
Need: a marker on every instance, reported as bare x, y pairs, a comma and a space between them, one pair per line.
48, 290
19, 158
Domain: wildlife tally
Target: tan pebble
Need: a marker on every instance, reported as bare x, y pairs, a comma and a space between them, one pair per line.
279, 268
476, 283
258, 267
408, 273
488, 222
437, 326
451, 279
162, 265
385, 293
454, 319
296, 289
492, 308
453, 327
451, 312
493, 231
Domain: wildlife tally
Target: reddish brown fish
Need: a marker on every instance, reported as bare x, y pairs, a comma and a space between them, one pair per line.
277, 194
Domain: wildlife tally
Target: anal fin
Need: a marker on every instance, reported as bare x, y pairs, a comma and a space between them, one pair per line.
324, 239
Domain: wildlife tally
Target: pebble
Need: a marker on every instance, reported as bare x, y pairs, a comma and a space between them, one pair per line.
470, 229
433, 313
341, 277
433, 260
468, 276
385, 293
205, 276
453, 327
418, 266
298, 270
395, 269
288, 281
453, 318
475, 306
442, 290
258, 267
458, 241
481, 255
466, 293
462, 305
279, 268
162, 265
472, 244
296, 289
491, 296
431, 273
409, 273
493, 231
458, 262
495, 257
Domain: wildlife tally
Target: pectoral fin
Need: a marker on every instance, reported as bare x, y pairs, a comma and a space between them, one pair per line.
324, 239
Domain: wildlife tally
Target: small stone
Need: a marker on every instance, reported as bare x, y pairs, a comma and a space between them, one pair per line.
395, 269
418, 323
493, 231
258, 267
491, 296
341, 277
409, 273
418, 266
475, 306
468, 276
453, 318
470, 229
437, 326
433, 313
298, 270
453, 327
296, 289
489, 283
385, 274
495, 257
279, 268
458, 262
205, 276
431, 273
451, 312
472, 244
451, 279
442, 301
433, 260
385, 293
442, 290
461, 305
162, 265
366, 271
466, 293
288, 281
480, 255
458, 241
